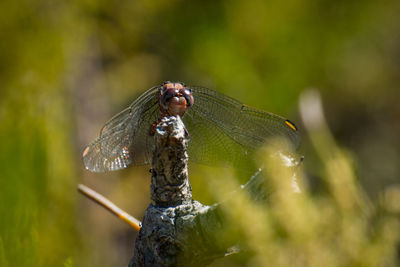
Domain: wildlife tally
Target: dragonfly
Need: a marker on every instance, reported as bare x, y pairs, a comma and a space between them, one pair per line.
222, 130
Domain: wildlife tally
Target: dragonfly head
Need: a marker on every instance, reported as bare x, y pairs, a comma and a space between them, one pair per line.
175, 98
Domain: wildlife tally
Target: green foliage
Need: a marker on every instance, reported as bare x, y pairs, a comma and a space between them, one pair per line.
69, 263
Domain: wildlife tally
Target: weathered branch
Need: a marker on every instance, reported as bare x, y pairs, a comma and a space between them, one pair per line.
176, 230
169, 174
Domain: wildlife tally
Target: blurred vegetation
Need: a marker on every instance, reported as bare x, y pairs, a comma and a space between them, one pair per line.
67, 66
340, 227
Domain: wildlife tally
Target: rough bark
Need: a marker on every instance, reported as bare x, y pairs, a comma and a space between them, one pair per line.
176, 230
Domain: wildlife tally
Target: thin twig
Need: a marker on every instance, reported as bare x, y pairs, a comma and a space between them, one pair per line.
101, 200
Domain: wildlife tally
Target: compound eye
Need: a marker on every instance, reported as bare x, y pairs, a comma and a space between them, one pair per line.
187, 94
166, 98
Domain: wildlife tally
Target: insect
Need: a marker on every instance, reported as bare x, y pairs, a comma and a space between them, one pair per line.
221, 129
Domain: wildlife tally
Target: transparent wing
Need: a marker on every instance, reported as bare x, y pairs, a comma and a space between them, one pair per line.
225, 130
124, 140
222, 130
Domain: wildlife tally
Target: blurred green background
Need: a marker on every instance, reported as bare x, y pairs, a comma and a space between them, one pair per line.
68, 66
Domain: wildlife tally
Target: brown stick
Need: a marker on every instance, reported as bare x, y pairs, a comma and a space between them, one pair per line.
101, 200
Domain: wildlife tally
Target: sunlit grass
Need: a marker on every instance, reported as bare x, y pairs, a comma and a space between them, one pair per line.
340, 227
